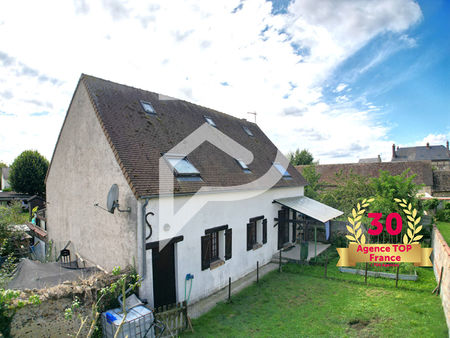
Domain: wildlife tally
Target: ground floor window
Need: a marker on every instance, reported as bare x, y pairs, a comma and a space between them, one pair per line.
256, 232
216, 246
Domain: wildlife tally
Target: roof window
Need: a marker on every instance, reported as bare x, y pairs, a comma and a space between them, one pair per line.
148, 108
243, 166
181, 166
210, 121
248, 131
282, 170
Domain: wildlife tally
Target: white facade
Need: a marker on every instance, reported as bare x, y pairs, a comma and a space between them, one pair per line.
236, 215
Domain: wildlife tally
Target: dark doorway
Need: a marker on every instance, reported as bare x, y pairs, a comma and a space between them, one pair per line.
164, 275
283, 227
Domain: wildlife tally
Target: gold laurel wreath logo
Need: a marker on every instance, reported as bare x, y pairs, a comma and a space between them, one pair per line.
411, 236
355, 221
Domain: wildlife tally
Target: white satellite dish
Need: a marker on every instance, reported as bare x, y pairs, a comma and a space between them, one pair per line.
112, 201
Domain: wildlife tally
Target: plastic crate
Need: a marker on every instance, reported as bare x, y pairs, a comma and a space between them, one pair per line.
138, 323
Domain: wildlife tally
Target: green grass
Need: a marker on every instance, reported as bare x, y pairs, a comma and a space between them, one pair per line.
300, 302
444, 229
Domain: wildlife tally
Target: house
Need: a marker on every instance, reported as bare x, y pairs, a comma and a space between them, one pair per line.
422, 170
370, 160
8, 197
4, 178
438, 155
192, 191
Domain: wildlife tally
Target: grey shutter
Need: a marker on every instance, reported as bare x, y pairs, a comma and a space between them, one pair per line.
264, 231
228, 237
206, 252
249, 236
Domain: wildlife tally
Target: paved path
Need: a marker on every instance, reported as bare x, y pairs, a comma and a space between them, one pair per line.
204, 305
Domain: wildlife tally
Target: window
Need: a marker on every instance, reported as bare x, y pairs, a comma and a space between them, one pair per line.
243, 166
148, 108
248, 131
282, 170
181, 166
256, 232
210, 121
216, 247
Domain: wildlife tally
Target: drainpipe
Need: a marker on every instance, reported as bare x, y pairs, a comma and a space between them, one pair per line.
144, 250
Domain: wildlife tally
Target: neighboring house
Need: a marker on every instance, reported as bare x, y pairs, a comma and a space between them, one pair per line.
370, 160
438, 155
116, 134
422, 170
4, 178
8, 197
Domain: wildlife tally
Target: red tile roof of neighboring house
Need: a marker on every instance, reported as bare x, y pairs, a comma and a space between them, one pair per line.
422, 170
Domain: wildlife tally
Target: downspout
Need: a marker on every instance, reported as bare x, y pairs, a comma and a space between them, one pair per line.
144, 250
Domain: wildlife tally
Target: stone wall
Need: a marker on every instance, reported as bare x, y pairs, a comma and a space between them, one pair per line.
441, 258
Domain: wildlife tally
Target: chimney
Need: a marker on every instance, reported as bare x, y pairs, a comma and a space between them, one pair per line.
393, 151
428, 145
447, 145
379, 158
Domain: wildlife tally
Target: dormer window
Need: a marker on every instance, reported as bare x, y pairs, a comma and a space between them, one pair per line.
248, 131
243, 166
148, 108
282, 170
182, 168
210, 121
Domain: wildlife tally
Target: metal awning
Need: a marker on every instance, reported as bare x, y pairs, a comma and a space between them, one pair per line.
310, 207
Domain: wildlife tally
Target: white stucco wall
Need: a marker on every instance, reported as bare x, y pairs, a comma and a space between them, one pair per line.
236, 215
82, 171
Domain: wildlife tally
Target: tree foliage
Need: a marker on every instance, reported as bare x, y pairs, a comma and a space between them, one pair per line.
300, 157
27, 173
314, 187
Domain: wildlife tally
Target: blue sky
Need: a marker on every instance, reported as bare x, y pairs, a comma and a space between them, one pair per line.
343, 79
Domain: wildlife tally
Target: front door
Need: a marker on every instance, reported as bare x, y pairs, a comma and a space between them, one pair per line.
164, 275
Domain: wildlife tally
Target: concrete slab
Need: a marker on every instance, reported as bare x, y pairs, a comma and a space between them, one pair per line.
293, 254
195, 310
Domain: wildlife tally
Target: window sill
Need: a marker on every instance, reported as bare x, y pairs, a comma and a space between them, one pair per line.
257, 246
216, 264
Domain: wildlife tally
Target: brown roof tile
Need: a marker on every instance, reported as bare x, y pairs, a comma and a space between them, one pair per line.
138, 139
422, 169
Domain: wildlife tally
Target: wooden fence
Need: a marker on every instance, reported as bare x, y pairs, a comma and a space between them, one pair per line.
174, 317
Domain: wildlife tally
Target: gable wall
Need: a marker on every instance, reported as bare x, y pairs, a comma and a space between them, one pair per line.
82, 171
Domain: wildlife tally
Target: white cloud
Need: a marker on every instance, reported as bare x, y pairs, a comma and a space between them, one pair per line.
186, 50
434, 140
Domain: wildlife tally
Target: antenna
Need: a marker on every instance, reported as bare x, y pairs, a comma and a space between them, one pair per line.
112, 200
253, 113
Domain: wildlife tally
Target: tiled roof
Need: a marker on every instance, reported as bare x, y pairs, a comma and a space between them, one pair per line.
422, 153
423, 170
138, 139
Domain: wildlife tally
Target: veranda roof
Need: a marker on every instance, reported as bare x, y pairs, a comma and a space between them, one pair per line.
310, 207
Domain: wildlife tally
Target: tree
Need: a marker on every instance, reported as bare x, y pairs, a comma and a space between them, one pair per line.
300, 157
314, 188
27, 173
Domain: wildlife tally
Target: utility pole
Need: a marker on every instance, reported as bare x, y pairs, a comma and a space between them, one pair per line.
253, 113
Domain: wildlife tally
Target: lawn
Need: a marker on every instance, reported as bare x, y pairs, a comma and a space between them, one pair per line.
300, 302
444, 229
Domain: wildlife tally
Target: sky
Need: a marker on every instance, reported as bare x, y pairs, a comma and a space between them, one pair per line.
344, 79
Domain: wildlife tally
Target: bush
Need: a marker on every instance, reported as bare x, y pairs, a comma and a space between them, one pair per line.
443, 214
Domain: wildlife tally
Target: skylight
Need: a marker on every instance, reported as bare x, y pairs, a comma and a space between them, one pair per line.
210, 121
181, 166
248, 131
243, 166
148, 107
281, 169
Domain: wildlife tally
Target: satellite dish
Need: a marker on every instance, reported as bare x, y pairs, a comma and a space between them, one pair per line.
113, 198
